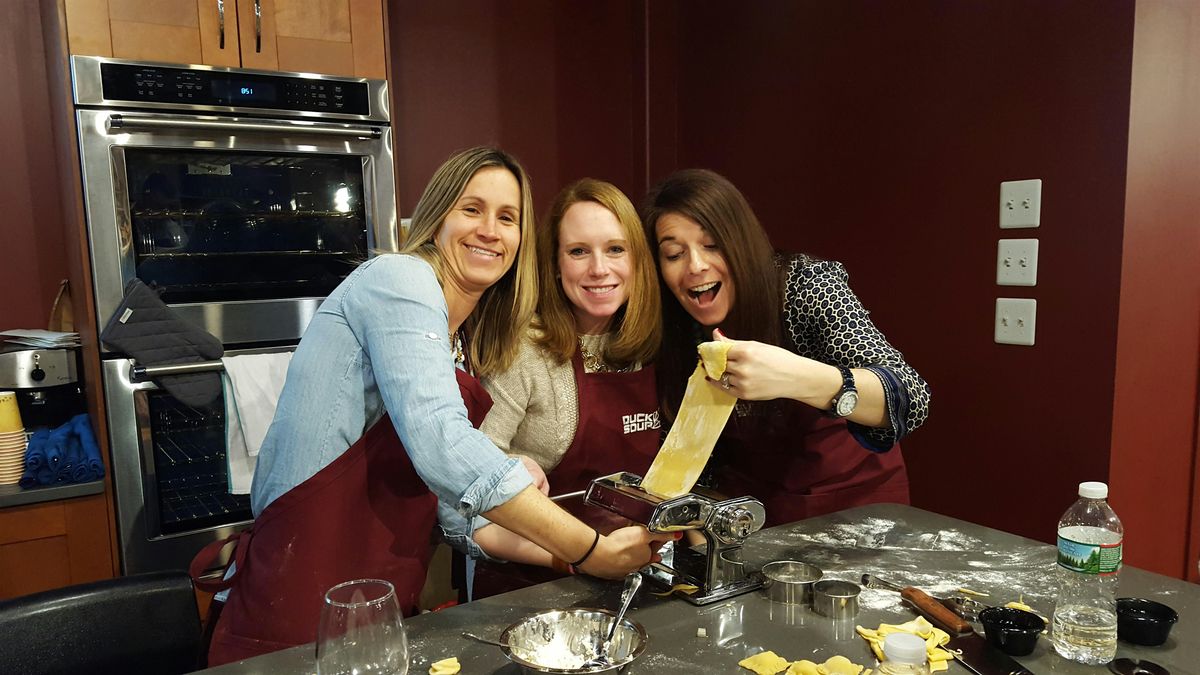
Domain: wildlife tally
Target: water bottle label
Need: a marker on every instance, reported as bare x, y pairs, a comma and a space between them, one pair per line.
1099, 559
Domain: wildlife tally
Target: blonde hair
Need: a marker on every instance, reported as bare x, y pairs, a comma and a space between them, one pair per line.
504, 310
638, 323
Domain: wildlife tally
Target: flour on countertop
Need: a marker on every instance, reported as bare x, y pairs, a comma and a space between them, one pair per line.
877, 546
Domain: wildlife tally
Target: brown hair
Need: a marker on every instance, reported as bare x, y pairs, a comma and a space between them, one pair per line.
720, 208
495, 325
638, 323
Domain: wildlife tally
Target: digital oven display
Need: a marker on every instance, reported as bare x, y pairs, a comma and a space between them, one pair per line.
165, 85
236, 91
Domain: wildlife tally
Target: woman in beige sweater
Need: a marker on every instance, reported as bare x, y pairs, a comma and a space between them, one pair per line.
580, 397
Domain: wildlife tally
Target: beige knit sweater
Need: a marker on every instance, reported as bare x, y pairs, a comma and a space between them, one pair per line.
536, 403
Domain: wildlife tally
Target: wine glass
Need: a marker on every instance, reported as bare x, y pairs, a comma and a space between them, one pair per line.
361, 630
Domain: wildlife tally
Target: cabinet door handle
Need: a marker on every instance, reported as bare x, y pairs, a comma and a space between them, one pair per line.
221, 23
257, 26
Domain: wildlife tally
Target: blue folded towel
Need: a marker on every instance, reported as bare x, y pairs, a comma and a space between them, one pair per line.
90, 466
68, 454
35, 459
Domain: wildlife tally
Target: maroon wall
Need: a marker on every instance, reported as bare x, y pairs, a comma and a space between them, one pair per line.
1158, 345
554, 83
877, 134
31, 232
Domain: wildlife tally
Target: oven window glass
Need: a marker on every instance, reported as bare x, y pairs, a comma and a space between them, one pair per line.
191, 473
218, 226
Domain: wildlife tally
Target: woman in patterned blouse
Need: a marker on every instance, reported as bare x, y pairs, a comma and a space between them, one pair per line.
825, 397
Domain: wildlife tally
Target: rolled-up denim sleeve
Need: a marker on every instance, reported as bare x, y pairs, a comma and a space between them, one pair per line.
459, 531
397, 311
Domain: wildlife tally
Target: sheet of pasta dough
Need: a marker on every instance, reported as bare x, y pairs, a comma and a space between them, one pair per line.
702, 417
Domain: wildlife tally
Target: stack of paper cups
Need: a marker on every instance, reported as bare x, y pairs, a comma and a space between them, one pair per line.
12, 440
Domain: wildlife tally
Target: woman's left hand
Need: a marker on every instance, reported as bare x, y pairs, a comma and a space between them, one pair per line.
755, 371
537, 474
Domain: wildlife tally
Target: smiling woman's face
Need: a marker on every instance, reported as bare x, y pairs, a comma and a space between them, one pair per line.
594, 264
694, 269
479, 238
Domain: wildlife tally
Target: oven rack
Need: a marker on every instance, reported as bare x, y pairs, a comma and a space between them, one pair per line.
180, 214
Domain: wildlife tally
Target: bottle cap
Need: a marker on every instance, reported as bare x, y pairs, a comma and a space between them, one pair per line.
1093, 490
904, 648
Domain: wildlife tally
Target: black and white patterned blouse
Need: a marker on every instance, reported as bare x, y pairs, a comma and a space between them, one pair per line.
824, 321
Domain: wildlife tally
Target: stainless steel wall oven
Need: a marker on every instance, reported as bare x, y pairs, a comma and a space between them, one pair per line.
244, 197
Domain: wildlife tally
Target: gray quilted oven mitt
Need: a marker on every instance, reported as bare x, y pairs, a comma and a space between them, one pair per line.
150, 332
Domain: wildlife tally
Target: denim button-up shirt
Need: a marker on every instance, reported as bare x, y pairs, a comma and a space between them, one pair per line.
379, 342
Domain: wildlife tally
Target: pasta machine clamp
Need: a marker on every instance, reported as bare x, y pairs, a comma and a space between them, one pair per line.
715, 568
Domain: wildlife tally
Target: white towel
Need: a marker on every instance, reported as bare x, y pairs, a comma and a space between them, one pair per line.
252, 383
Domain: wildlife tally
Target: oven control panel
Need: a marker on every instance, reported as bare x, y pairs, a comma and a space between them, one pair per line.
136, 83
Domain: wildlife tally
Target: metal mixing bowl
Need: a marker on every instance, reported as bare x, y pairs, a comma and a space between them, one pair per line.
562, 640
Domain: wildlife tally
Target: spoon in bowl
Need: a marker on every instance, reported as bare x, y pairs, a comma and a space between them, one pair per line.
633, 581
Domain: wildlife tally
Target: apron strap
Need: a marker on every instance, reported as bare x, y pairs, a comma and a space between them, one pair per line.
209, 555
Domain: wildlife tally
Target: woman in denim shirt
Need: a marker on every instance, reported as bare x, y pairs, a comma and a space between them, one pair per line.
376, 423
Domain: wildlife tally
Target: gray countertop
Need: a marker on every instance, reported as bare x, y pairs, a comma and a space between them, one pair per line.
899, 543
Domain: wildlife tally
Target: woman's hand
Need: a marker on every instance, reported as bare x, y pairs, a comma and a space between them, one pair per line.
625, 550
537, 474
755, 371
760, 372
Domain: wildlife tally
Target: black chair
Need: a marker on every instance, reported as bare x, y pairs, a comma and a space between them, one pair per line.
144, 623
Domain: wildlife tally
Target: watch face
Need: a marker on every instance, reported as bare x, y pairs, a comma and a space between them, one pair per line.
846, 403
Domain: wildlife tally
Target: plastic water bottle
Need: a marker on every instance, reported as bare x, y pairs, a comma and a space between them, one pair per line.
903, 654
1089, 561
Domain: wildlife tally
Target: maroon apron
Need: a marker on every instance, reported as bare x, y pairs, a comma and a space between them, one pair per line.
366, 515
618, 431
803, 464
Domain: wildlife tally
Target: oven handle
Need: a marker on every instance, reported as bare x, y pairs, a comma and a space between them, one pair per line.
143, 373
122, 122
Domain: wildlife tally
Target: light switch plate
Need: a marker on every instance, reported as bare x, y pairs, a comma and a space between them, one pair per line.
1021, 203
1016, 319
1017, 262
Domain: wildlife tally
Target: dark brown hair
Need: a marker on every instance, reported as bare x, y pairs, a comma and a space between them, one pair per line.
716, 205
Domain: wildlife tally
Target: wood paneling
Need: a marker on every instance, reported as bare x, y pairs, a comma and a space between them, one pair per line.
156, 42
334, 37
163, 12
313, 19
314, 56
367, 29
211, 49
257, 35
32, 566
88, 549
35, 521
87, 26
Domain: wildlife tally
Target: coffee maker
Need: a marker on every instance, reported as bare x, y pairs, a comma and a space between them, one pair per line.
46, 382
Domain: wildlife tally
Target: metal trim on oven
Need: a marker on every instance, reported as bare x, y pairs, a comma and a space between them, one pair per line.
89, 90
106, 201
132, 464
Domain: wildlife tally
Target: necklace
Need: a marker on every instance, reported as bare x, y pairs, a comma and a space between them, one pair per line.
594, 362
456, 348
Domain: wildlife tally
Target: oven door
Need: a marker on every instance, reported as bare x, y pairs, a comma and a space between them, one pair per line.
242, 224
169, 470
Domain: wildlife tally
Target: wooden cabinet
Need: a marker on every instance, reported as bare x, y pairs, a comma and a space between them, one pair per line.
334, 37
54, 544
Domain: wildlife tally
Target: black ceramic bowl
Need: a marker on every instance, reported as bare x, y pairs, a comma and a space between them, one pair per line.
1014, 631
1144, 622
